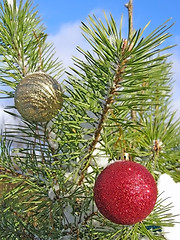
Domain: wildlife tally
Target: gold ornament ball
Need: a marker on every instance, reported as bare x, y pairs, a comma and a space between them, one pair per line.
38, 97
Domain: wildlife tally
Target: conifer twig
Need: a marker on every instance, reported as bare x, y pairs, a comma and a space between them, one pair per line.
107, 107
110, 99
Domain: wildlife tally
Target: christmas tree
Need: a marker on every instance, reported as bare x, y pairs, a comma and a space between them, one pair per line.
112, 107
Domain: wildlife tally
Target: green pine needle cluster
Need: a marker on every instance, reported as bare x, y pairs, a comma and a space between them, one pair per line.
116, 103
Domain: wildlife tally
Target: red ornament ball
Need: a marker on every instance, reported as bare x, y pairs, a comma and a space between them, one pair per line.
125, 192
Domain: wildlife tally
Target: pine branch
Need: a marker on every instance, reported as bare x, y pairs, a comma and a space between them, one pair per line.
53, 197
109, 101
115, 90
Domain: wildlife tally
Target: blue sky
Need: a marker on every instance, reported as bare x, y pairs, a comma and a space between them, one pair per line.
63, 20
57, 12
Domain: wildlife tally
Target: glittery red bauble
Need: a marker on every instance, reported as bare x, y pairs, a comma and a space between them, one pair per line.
125, 192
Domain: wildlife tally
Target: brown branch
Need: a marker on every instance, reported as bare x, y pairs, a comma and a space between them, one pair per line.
129, 7
86, 219
11, 173
107, 107
110, 99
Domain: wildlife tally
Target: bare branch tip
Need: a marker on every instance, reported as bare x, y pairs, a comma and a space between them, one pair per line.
126, 5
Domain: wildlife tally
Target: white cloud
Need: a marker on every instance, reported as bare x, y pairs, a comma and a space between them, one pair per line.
69, 37
66, 40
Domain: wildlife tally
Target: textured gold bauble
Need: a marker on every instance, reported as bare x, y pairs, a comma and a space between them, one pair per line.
38, 97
